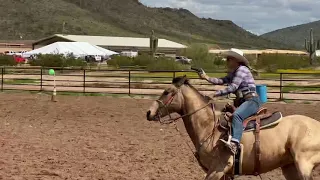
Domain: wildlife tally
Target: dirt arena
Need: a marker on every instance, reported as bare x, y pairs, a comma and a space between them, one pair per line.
98, 138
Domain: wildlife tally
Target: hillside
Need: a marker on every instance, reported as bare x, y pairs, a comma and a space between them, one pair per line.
33, 19
294, 35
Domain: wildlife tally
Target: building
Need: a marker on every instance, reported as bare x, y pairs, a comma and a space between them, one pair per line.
265, 51
117, 44
14, 47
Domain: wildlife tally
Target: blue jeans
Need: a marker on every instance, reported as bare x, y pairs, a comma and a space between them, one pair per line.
246, 109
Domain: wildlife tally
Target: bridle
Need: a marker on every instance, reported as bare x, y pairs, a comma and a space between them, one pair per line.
165, 105
168, 102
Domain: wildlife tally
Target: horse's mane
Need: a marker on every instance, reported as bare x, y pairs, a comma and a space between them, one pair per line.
186, 82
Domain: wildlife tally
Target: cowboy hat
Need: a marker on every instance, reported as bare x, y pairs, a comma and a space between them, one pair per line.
237, 54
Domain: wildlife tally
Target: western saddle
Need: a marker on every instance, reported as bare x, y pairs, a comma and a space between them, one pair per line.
261, 114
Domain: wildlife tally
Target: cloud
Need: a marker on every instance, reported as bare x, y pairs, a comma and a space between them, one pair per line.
258, 16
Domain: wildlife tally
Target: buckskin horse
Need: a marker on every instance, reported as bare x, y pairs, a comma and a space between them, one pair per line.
291, 143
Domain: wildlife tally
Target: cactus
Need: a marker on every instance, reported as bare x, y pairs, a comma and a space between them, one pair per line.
64, 28
310, 46
153, 43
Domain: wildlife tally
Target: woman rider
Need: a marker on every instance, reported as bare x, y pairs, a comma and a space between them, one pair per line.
240, 82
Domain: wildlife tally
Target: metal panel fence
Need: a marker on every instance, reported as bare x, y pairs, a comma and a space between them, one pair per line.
282, 86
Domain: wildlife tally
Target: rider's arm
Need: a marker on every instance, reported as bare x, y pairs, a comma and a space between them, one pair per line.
236, 81
219, 81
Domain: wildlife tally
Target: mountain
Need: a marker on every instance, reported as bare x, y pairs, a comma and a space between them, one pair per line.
33, 19
295, 35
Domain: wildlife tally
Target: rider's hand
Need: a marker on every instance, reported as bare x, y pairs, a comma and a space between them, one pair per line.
204, 76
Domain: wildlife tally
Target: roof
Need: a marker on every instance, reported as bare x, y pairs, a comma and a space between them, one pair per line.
76, 48
24, 42
267, 51
116, 41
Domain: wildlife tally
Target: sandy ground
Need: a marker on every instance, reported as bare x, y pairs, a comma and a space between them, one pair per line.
98, 138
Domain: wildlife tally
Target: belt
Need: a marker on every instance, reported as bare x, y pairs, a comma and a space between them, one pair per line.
250, 95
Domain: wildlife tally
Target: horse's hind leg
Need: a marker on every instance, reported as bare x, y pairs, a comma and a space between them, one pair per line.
290, 172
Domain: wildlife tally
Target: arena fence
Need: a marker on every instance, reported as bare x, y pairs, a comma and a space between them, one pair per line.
281, 86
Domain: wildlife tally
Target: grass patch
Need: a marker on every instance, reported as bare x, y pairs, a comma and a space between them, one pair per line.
307, 102
20, 81
303, 71
100, 94
291, 87
288, 101
64, 93
170, 75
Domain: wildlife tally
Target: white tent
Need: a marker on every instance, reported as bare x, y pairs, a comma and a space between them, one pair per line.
78, 49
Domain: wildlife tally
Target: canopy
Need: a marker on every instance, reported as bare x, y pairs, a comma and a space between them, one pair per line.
78, 49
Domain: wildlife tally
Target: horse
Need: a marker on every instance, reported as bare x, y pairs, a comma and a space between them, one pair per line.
292, 144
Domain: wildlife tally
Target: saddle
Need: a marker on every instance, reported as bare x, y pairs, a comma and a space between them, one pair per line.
266, 118
260, 120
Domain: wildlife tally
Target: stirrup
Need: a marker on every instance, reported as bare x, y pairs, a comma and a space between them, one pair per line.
231, 146
227, 142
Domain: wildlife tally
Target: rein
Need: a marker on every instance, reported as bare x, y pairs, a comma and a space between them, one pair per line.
169, 101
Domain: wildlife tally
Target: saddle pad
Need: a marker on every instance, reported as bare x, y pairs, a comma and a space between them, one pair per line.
274, 119
237, 167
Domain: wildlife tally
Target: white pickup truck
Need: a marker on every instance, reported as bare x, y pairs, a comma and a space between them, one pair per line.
183, 60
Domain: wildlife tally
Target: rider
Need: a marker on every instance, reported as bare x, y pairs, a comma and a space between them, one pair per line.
240, 81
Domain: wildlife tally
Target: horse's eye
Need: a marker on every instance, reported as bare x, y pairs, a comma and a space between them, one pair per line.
165, 93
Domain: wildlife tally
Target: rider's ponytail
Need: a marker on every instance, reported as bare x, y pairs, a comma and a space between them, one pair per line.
254, 71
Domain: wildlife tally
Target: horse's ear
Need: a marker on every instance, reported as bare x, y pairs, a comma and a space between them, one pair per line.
182, 81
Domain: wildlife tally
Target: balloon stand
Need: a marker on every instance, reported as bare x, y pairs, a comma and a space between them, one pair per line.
54, 92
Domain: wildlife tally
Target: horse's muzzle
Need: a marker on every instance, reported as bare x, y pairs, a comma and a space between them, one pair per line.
151, 117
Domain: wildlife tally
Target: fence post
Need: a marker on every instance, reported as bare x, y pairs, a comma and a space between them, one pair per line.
2, 72
174, 74
84, 81
129, 83
41, 76
281, 85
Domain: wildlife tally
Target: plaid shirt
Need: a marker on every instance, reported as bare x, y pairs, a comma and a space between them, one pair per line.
241, 79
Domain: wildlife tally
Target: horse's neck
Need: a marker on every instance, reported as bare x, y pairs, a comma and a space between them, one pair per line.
200, 124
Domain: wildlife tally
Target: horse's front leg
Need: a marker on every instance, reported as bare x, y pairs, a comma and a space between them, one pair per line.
219, 168
215, 176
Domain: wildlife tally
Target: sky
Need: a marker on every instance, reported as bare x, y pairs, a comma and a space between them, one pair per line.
256, 16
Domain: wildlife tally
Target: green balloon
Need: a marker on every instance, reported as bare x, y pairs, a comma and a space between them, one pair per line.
51, 72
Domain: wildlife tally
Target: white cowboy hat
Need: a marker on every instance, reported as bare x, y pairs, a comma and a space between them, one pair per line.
237, 54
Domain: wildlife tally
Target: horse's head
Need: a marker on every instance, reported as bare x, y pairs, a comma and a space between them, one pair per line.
169, 102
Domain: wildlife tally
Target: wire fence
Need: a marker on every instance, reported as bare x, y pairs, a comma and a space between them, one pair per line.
281, 86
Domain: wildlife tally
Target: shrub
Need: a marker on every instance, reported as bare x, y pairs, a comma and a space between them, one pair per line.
57, 60
218, 61
199, 53
139, 61
252, 58
142, 60
72, 61
164, 63
273, 62
317, 60
6, 60
118, 61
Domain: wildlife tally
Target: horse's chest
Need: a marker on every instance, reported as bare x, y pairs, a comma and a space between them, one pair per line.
205, 158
